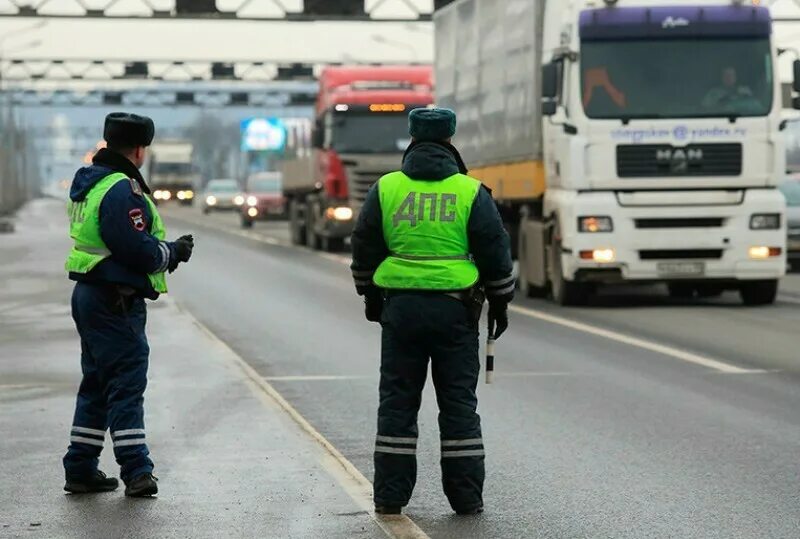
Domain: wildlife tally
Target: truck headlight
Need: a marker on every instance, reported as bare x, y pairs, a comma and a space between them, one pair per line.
765, 221
252, 201
342, 213
593, 224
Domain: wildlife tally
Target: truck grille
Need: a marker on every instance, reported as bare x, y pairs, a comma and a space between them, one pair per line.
663, 160
691, 222
361, 183
682, 254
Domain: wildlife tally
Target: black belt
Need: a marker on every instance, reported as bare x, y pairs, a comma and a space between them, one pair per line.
460, 295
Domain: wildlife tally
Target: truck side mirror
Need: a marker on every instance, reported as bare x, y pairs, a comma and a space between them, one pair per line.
317, 138
549, 107
796, 81
550, 80
796, 103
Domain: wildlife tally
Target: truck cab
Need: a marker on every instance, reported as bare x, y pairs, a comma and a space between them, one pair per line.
662, 148
360, 134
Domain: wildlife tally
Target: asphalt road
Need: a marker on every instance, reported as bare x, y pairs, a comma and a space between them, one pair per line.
635, 417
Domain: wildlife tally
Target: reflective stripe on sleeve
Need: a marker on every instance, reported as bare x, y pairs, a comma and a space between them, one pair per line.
501, 292
501, 282
87, 441
164, 257
93, 432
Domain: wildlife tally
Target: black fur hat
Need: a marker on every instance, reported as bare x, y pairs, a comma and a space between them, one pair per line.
128, 130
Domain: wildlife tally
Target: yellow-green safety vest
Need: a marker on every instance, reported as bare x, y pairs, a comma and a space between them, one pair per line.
89, 249
425, 228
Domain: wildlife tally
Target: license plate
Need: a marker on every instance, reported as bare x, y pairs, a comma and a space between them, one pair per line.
681, 269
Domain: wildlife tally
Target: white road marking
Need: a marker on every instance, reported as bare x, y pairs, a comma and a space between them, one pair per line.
342, 470
317, 378
662, 349
522, 374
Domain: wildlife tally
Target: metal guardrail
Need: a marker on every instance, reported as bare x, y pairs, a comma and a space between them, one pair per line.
19, 172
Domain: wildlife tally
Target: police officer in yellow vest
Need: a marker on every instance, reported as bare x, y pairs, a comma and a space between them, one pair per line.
119, 257
429, 243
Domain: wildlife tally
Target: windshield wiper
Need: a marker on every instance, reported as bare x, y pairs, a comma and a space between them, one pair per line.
626, 119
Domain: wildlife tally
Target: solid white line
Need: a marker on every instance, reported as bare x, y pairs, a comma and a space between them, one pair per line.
342, 470
662, 349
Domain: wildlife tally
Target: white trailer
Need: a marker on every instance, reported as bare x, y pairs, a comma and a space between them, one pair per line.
625, 140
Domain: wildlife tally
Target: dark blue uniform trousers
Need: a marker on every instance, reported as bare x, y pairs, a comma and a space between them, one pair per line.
114, 359
416, 328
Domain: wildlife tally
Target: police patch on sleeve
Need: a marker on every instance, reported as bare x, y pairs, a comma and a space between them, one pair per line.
135, 187
137, 219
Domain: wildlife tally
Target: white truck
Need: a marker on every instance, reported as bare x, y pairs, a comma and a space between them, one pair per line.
624, 140
171, 173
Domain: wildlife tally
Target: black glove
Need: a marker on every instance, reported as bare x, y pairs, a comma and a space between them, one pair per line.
183, 251
373, 306
498, 318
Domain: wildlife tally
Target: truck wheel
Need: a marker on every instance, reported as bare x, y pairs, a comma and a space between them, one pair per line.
332, 245
312, 238
297, 228
681, 290
759, 292
563, 291
526, 289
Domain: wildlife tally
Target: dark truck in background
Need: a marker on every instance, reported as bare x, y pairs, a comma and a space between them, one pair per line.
360, 134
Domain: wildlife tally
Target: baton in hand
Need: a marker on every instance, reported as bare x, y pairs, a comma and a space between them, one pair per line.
490, 353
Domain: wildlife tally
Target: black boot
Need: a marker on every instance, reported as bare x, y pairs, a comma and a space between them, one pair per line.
388, 510
471, 511
141, 486
97, 482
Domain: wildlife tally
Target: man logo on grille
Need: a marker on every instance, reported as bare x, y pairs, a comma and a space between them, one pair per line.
679, 158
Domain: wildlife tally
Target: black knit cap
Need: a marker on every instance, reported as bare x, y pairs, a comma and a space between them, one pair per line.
127, 130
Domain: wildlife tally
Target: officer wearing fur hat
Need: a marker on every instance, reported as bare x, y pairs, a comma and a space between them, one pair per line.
119, 257
428, 244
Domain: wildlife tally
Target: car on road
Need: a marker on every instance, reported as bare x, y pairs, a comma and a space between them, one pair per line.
263, 198
222, 194
791, 190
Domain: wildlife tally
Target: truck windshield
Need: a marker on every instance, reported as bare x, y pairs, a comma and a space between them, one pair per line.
272, 185
369, 133
173, 168
791, 190
677, 78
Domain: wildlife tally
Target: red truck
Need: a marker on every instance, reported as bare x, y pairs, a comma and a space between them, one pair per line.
360, 133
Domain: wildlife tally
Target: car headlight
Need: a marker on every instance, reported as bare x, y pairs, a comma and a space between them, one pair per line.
238, 200
211, 200
181, 195
252, 201
765, 221
157, 194
342, 213
593, 224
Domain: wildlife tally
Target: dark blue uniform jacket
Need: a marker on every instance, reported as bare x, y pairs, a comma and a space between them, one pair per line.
125, 226
489, 242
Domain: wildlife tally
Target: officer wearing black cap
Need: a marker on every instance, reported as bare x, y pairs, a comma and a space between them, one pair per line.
428, 244
119, 257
